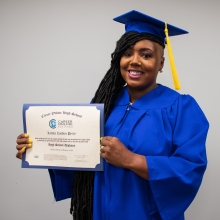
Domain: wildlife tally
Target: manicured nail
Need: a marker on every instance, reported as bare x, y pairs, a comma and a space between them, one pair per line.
100, 138
26, 135
23, 148
30, 141
29, 145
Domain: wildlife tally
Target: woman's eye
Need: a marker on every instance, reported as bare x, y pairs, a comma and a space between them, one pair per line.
146, 55
127, 54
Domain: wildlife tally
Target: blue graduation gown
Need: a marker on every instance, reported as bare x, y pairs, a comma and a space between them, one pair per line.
170, 130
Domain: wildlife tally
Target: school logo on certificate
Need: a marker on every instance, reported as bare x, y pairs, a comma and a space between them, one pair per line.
52, 123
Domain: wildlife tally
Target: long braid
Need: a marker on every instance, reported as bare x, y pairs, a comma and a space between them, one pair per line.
81, 202
107, 92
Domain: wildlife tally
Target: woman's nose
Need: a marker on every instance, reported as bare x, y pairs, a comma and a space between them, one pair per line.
135, 60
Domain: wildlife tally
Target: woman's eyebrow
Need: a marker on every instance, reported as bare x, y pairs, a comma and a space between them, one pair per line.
142, 48
146, 48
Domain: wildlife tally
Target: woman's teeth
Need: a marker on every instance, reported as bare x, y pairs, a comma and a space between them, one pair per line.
135, 73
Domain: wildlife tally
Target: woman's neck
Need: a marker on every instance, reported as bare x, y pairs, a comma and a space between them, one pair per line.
137, 93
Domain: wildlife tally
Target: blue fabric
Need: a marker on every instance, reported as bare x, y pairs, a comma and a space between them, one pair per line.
137, 21
170, 130
61, 181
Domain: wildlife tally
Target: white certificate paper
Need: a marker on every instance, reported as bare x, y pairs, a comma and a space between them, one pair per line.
64, 136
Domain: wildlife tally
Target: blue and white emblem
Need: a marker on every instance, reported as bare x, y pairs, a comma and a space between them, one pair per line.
52, 123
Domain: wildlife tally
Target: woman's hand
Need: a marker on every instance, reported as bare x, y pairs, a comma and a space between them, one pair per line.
115, 152
24, 142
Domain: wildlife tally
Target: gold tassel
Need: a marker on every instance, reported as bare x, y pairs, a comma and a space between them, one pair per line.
174, 73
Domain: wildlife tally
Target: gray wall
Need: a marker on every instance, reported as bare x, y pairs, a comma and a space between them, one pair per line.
57, 51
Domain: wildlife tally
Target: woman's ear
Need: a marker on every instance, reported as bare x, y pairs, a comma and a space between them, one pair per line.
162, 64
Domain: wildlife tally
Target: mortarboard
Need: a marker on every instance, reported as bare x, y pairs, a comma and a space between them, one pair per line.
137, 21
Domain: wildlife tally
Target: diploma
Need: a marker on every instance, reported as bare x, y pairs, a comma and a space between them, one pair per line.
64, 136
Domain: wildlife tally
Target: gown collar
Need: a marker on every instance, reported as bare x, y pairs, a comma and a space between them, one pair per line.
159, 97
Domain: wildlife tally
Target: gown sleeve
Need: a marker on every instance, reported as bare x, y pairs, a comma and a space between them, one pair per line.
61, 181
175, 179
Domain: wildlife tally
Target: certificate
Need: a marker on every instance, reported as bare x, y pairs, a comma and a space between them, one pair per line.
64, 136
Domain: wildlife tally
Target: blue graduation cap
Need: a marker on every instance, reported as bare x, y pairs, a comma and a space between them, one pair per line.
137, 21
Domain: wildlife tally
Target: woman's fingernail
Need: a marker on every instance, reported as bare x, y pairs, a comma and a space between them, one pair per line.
26, 135
29, 145
30, 141
23, 148
100, 138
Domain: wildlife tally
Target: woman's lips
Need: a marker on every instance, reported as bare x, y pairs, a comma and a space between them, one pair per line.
134, 73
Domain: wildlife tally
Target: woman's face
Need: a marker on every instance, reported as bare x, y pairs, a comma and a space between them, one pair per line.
139, 66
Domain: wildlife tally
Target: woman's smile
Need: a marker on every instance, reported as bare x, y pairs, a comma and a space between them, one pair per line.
135, 73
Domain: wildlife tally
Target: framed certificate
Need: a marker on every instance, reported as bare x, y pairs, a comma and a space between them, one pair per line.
65, 136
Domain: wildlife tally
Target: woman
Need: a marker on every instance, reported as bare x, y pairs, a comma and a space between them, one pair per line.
154, 144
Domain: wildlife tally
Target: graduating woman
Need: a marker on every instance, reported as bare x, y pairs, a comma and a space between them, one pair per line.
154, 143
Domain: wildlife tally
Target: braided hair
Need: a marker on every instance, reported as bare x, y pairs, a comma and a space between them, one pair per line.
107, 92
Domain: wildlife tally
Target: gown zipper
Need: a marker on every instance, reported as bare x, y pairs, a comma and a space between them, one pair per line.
115, 131
118, 126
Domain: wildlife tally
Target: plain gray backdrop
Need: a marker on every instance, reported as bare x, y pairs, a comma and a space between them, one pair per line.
57, 51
